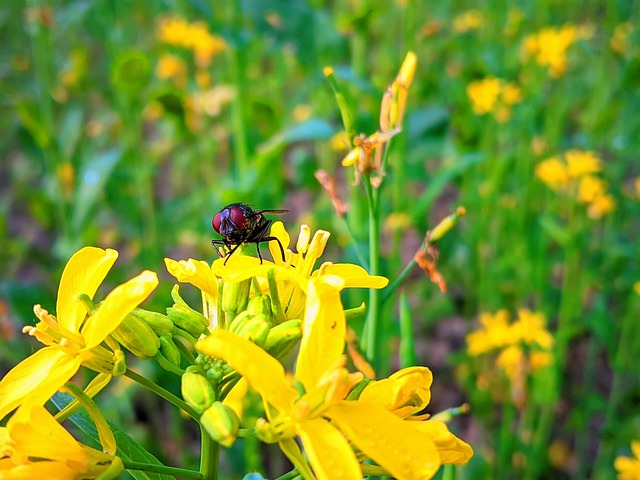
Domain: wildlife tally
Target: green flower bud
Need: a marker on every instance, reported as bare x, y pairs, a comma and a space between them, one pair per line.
260, 304
235, 296
255, 329
158, 322
283, 338
169, 349
221, 423
137, 337
237, 322
197, 391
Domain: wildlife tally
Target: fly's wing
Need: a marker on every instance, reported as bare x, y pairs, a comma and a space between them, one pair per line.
272, 211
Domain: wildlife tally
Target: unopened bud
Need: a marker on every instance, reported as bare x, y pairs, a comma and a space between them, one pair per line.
158, 322
137, 337
446, 224
256, 329
260, 304
197, 390
169, 349
235, 296
221, 423
237, 322
283, 338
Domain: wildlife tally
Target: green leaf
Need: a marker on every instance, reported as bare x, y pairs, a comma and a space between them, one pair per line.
128, 448
554, 229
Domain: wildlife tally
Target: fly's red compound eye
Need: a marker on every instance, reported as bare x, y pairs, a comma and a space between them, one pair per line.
215, 223
237, 217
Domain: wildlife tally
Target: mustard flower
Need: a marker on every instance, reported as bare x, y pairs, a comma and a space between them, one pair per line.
628, 468
318, 412
493, 95
34, 445
171, 67
553, 172
468, 21
193, 36
549, 46
74, 337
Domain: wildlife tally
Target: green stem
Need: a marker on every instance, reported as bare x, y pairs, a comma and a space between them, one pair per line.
161, 469
209, 456
289, 475
373, 319
390, 290
161, 392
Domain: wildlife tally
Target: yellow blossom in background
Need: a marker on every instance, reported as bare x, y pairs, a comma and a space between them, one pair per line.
523, 346
329, 425
493, 95
620, 39
74, 337
339, 142
549, 46
192, 36
628, 468
35, 446
468, 21
515, 17
575, 173
171, 67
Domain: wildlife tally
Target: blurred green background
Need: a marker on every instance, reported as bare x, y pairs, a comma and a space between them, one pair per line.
130, 124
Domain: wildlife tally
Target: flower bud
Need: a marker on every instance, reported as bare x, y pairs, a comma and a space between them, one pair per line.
197, 391
158, 322
283, 338
255, 329
235, 296
237, 322
221, 423
169, 349
137, 337
260, 304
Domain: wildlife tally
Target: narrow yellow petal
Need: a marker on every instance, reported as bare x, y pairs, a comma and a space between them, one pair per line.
83, 273
116, 306
329, 452
196, 272
278, 231
452, 450
403, 451
263, 372
355, 276
37, 377
323, 330
291, 449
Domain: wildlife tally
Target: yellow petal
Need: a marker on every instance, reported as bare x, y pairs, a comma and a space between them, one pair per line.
263, 372
83, 273
323, 331
196, 272
235, 399
355, 276
116, 306
404, 452
37, 377
329, 452
278, 231
635, 448
452, 450
404, 393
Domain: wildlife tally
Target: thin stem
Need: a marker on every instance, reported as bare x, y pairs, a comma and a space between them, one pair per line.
289, 475
390, 290
161, 392
162, 469
373, 319
209, 456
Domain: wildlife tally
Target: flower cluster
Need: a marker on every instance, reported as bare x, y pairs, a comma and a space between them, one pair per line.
493, 95
468, 21
576, 172
549, 46
523, 345
192, 36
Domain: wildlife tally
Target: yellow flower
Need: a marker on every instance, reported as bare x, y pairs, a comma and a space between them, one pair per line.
553, 172
629, 467
468, 21
173, 68
496, 332
320, 415
194, 36
530, 329
590, 188
74, 338
493, 95
294, 274
35, 446
549, 46
600, 206
581, 163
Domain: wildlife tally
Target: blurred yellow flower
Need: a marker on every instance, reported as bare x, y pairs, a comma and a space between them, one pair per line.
493, 95
35, 446
211, 102
74, 338
193, 36
581, 162
553, 172
590, 188
495, 333
467, 21
620, 39
171, 67
600, 206
629, 467
549, 46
